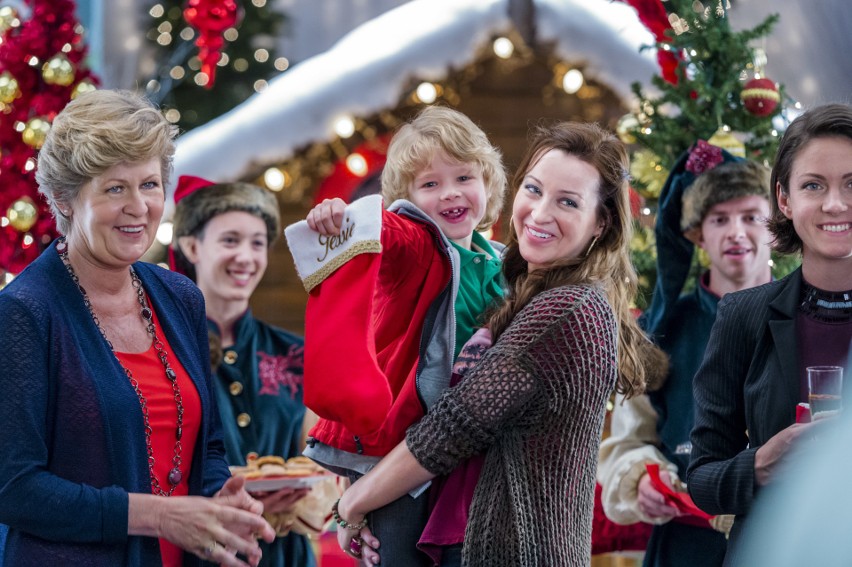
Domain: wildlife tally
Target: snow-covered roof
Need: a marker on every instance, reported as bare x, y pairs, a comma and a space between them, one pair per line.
367, 70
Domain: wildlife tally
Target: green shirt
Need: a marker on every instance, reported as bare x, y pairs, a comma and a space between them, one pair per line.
480, 283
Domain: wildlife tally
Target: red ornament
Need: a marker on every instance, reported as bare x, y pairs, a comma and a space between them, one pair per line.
760, 97
211, 18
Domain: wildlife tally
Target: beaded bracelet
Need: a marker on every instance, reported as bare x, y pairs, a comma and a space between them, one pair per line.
343, 523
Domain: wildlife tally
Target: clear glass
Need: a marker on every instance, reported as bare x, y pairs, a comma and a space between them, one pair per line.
825, 385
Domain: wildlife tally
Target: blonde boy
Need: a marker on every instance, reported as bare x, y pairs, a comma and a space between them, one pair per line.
404, 313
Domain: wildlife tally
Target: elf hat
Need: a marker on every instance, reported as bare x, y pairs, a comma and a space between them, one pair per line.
703, 177
731, 180
198, 200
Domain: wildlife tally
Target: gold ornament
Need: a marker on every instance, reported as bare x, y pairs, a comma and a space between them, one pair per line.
35, 132
649, 174
8, 19
728, 142
22, 214
83, 86
58, 71
627, 124
9, 90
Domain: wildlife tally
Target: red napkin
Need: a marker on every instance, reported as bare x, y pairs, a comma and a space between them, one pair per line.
803, 413
679, 500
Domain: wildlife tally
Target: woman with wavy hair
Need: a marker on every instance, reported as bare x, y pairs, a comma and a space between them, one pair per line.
534, 403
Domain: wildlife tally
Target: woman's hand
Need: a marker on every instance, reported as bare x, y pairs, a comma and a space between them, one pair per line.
652, 503
211, 528
360, 544
327, 217
233, 493
215, 532
771, 454
283, 500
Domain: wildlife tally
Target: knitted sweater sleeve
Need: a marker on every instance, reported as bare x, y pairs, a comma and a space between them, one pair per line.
500, 390
32, 498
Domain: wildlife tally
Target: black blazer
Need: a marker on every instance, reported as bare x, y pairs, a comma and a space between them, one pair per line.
746, 391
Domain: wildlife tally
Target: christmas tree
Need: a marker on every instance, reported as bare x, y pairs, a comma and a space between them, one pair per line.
243, 62
41, 68
711, 87
715, 88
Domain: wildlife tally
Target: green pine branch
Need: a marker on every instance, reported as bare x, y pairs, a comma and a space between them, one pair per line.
712, 61
235, 81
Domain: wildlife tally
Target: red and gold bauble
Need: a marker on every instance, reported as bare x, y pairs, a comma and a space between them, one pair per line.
760, 97
727, 141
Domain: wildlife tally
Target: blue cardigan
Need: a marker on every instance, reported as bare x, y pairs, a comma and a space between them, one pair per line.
71, 428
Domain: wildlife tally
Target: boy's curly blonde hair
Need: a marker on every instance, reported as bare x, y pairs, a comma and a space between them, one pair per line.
440, 128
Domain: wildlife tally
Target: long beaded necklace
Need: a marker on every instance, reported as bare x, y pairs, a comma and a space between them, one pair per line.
175, 475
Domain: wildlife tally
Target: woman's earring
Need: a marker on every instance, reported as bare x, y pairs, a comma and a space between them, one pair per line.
591, 245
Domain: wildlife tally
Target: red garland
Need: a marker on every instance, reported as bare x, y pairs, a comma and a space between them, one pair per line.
653, 16
50, 26
211, 18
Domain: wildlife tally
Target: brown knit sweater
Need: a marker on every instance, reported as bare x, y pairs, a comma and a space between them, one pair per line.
535, 404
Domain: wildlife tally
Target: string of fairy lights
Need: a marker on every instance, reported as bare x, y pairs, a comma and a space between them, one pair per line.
294, 178
345, 126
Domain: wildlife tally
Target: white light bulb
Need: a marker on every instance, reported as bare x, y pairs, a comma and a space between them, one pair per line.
357, 164
572, 81
427, 93
344, 126
503, 47
274, 178
165, 233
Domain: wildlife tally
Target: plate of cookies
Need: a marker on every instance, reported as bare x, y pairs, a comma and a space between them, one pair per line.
271, 473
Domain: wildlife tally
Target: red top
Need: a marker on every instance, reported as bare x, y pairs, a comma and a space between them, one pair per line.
162, 411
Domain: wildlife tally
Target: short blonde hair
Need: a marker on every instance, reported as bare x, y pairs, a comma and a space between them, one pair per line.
440, 128
94, 132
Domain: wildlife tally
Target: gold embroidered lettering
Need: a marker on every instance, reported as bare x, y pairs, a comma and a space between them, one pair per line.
332, 242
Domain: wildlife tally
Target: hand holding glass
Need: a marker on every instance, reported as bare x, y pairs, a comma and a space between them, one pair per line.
825, 384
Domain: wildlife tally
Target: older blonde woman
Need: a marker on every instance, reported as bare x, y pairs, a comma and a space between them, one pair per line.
110, 434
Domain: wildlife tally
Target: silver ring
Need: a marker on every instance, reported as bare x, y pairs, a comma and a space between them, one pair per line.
208, 551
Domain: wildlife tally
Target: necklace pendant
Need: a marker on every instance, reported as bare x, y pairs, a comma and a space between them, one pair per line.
146, 313
175, 476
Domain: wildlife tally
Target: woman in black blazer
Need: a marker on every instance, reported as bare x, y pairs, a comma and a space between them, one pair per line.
753, 373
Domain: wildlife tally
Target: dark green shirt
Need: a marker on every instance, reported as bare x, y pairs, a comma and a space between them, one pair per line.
480, 283
258, 389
